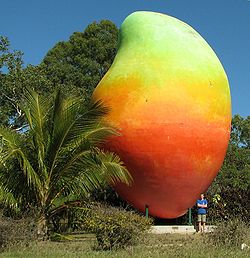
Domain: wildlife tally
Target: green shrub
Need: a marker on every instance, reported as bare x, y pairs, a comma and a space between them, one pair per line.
114, 228
230, 233
16, 231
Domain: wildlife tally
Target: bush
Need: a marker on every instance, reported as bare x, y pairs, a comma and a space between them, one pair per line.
114, 228
230, 233
16, 231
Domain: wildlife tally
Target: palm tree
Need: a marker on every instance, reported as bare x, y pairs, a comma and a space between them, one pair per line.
57, 159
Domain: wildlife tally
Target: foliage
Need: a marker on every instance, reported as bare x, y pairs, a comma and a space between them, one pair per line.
10, 63
229, 193
231, 233
58, 159
79, 63
114, 228
16, 231
240, 133
13, 80
75, 66
9, 60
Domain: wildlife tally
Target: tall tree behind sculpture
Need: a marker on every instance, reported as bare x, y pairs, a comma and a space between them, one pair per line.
80, 63
230, 191
76, 66
10, 63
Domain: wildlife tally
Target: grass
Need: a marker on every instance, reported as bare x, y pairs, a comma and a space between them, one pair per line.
166, 245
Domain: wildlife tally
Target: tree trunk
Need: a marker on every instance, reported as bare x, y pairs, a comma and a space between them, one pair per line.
42, 228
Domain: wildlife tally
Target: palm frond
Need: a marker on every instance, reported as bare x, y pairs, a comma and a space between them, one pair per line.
10, 137
37, 113
36, 110
85, 142
71, 122
13, 179
12, 148
69, 177
114, 168
99, 134
61, 122
8, 200
87, 172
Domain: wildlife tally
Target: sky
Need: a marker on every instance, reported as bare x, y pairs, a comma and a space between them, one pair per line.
35, 26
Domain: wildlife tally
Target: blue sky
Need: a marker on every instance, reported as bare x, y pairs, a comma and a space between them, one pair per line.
34, 27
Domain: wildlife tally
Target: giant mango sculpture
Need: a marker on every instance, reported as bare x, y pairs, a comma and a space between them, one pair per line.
170, 98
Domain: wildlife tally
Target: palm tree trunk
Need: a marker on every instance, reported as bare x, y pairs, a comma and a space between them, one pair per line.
42, 228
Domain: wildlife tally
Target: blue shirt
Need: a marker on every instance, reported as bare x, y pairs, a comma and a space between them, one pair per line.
202, 210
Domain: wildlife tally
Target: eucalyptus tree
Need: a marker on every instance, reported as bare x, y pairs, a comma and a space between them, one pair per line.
230, 191
57, 158
79, 63
75, 65
13, 80
10, 64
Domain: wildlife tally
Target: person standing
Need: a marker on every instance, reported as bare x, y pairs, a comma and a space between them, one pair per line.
202, 213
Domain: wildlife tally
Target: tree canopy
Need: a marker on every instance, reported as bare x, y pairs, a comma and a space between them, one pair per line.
14, 78
75, 66
229, 193
10, 67
81, 62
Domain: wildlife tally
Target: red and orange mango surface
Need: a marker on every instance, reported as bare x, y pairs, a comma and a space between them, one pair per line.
169, 97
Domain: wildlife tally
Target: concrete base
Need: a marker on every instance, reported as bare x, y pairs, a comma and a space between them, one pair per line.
172, 229
183, 229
